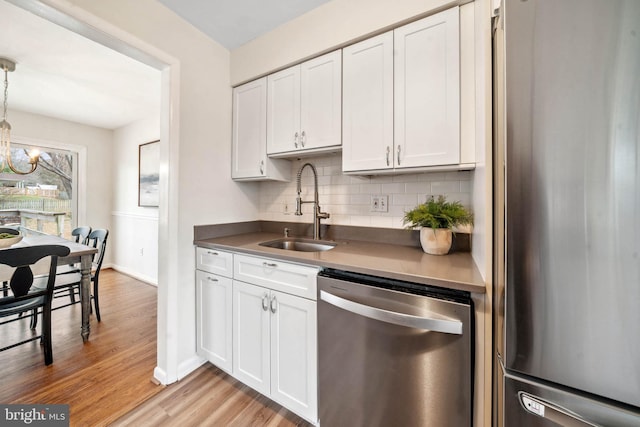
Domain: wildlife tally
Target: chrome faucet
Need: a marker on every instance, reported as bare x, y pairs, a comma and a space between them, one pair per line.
317, 214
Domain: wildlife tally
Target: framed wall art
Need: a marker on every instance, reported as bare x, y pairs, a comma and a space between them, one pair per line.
149, 174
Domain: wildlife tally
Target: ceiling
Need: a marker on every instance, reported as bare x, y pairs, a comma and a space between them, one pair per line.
233, 23
64, 75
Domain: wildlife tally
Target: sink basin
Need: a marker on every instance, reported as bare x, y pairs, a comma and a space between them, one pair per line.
299, 244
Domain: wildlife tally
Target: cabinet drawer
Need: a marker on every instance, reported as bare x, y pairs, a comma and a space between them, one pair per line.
214, 261
281, 276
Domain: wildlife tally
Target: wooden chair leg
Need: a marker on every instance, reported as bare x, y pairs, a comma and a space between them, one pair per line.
46, 334
72, 294
34, 318
96, 302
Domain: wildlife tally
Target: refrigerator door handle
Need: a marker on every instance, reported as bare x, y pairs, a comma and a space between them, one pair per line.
561, 416
402, 319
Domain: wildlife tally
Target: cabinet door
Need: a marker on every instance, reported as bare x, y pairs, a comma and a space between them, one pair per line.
251, 336
249, 130
427, 91
294, 354
213, 311
367, 100
283, 111
321, 101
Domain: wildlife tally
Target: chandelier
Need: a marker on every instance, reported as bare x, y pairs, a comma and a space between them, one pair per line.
5, 128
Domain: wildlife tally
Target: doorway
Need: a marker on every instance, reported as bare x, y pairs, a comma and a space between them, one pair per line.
90, 26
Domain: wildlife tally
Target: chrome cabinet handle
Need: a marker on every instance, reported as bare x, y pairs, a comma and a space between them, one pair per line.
274, 304
402, 319
212, 253
265, 302
212, 279
261, 167
398, 155
270, 264
303, 138
295, 140
388, 153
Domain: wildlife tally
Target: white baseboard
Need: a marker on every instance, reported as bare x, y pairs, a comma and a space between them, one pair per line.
161, 376
190, 365
184, 369
134, 274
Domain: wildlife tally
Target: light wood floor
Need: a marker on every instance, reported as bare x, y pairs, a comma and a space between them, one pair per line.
209, 397
107, 381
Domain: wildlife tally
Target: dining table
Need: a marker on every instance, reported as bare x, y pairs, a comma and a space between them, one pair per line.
79, 253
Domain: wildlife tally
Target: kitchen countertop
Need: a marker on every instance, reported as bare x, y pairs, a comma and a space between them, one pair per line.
456, 270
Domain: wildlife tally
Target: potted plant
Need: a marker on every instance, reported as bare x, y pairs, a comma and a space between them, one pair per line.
437, 217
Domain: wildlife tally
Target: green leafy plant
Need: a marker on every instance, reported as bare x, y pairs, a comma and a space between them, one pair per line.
438, 213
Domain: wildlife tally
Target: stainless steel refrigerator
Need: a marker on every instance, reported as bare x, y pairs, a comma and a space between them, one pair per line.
568, 72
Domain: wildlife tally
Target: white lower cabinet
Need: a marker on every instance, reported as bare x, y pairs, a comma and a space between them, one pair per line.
252, 338
213, 311
274, 349
214, 270
260, 325
275, 335
294, 365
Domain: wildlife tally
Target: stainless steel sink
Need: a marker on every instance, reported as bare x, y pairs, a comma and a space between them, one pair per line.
299, 244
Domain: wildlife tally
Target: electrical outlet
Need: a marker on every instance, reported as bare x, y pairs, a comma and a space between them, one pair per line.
375, 204
286, 209
383, 206
379, 203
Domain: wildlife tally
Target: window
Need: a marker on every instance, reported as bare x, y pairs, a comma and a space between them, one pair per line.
45, 200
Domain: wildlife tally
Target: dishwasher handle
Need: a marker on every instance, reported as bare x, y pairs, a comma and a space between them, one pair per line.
401, 319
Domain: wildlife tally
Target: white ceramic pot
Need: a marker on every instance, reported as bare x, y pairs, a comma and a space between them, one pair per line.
435, 241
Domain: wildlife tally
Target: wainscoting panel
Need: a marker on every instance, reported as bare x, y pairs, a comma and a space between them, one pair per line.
134, 245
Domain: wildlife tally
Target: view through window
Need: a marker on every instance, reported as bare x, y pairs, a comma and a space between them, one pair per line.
42, 201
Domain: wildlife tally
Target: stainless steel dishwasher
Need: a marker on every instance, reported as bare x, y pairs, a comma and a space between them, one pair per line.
393, 353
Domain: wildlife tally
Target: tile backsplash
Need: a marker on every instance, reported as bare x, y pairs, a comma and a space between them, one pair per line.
348, 197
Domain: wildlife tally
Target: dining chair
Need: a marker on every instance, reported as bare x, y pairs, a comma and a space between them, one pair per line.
25, 296
80, 235
71, 282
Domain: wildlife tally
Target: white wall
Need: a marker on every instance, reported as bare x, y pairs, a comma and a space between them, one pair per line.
96, 173
134, 232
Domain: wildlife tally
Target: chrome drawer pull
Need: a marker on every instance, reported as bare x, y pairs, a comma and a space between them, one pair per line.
212, 253
211, 279
265, 302
270, 264
274, 304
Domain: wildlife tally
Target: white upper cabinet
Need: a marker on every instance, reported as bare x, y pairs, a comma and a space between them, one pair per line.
283, 111
249, 147
401, 98
304, 107
427, 91
367, 102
